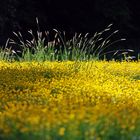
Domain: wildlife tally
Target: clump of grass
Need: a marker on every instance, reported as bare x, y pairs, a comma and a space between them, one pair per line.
6, 54
83, 47
80, 47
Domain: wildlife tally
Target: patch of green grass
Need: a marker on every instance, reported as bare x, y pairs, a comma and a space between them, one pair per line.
6, 54
82, 131
81, 47
137, 77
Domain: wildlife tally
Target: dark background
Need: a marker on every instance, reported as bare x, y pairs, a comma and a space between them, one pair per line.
72, 16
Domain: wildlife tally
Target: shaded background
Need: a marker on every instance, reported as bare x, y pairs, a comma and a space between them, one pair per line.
72, 16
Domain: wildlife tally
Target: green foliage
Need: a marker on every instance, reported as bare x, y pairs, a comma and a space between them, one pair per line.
136, 77
83, 131
6, 54
79, 48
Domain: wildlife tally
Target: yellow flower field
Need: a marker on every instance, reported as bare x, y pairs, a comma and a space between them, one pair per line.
95, 100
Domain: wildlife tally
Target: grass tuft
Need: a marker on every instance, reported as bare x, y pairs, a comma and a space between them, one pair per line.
81, 47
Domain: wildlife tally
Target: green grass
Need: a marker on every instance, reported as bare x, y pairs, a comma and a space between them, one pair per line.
81, 47
84, 131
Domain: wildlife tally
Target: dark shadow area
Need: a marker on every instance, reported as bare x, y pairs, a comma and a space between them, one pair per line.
72, 16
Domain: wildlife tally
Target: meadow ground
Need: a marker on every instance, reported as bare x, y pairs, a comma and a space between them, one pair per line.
94, 100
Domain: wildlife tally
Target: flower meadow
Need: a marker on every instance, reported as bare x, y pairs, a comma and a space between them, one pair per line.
70, 100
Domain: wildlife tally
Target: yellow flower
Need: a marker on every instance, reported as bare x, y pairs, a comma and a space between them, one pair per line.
71, 116
61, 131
